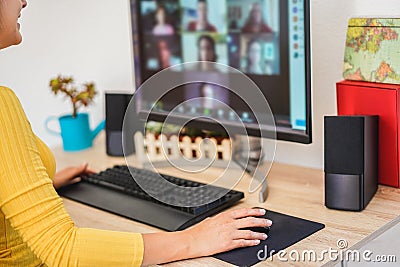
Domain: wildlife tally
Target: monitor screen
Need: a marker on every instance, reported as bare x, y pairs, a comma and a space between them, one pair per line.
266, 40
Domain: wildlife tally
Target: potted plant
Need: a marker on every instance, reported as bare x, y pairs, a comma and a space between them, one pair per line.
75, 130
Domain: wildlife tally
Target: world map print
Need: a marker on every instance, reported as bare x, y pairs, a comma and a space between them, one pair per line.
373, 50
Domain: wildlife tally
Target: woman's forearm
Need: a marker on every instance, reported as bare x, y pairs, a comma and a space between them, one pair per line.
167, 247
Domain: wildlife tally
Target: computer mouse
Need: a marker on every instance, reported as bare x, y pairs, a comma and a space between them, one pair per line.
265, 230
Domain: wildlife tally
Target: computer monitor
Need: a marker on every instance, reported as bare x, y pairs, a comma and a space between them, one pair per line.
266, 40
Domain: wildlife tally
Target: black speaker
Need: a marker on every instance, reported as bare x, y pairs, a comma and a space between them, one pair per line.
116, 106
351, 161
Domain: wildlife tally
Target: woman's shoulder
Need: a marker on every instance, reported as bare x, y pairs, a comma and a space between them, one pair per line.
7, 96
9, 101
5, 91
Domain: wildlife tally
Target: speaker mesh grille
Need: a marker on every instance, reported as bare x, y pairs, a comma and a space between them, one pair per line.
116, 105
344, 144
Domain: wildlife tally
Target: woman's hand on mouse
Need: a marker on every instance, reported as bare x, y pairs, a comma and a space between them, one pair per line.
70, 175
224, 232
220, 233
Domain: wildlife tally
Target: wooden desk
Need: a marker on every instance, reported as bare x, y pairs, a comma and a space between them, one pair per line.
293, 190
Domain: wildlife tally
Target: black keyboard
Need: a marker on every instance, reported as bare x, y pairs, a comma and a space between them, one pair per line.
115, 190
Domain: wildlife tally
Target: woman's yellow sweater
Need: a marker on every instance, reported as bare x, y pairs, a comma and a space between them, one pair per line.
35, 229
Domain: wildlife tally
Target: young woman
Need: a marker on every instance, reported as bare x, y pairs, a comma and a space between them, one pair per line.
201, 24
35, 229
254, 55
162, 27
255, 22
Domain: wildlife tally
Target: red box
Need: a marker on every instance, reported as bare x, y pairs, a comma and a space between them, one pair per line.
366, 98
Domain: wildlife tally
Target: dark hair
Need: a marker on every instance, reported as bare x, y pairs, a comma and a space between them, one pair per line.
211, 41
161, 7
202, 1
249, 21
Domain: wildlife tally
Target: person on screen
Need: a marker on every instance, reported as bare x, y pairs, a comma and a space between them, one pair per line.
35, 228
207, 94
207, 48
201, 24
206, 52
164, 54
162, 27
255, 22
254, 57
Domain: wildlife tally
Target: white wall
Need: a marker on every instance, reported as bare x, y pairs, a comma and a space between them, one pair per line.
91, 40
329, 25
87, 39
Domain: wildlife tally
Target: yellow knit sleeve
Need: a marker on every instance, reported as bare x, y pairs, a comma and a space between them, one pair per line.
30, 203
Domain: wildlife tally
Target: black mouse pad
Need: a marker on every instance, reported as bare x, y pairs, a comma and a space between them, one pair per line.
285, 231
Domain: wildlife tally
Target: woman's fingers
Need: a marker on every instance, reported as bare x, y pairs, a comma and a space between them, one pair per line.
252, 222
90, 171
73, 172
75, 180
85, 169
249, 235
241, 243
227, 231
247, 212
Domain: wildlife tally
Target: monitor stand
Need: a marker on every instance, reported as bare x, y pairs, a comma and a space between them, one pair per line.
244, 159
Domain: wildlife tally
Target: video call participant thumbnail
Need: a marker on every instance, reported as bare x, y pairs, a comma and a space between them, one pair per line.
162, 52
202, 23
162, 27
255, 62
160, 18
206, 49
255, 22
